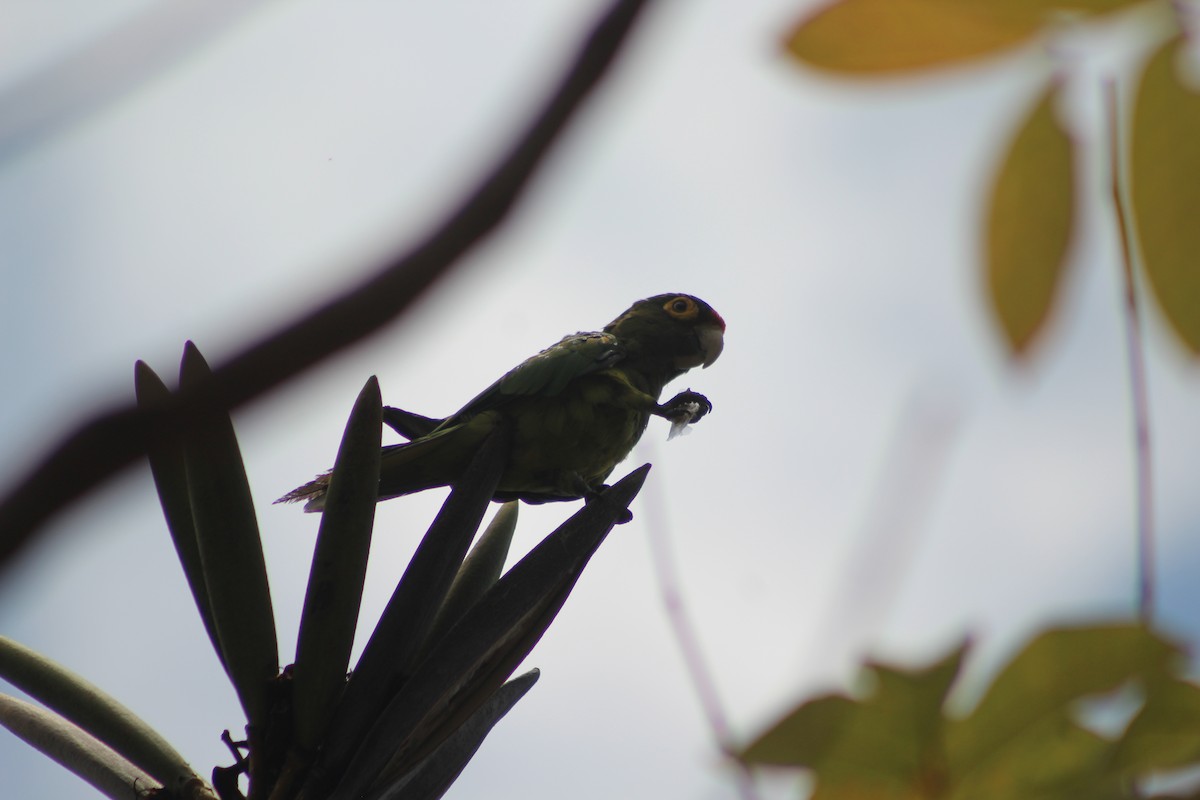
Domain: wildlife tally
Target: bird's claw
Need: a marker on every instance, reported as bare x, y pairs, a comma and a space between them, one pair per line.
684, 409
692, 405
597, 496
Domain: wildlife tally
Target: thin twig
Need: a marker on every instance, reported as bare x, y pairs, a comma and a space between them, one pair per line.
114, 439
1137, 369
667, 576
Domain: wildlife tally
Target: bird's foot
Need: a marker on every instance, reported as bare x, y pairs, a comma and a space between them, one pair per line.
623, 514
594, 495
687, 404
685, 408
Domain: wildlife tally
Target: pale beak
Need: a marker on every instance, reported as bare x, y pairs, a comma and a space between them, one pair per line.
712, 342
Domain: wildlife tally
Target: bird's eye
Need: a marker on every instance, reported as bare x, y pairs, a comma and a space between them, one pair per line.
681, 308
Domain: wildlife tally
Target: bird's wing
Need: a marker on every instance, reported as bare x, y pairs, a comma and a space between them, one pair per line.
548, 372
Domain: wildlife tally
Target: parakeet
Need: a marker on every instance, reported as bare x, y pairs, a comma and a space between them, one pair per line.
576, 409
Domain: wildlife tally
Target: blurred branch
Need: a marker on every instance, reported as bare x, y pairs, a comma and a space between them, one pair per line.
115, 438
1137, 368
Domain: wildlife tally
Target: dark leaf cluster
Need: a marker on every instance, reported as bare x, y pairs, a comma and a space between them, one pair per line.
429, 685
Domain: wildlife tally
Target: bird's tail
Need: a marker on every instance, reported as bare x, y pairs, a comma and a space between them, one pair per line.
435, 460
312, 493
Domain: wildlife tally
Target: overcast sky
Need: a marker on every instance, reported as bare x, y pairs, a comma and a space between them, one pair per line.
876, 478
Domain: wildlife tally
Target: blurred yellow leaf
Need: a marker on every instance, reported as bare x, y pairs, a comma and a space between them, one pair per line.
805, 735
1082, 7
1029, 224
878, 747
867, 37
1165, 178
880, 36
1093, 6
1052, 758
1024, 740
1053, 671
1166, 732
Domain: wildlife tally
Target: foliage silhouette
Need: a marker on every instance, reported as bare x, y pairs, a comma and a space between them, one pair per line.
427, 688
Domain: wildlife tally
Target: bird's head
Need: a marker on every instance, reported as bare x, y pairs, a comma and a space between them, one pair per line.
678, 329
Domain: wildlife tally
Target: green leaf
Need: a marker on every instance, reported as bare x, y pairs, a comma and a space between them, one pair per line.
804, 737
852, 789
1029, 224
75, 749
885, 745
96, 712
875, 37
392, 651
335, 582
1165, 188
1051, 759
481, 568
230, 549
1165, 734
167, 465
1022, 741
433, 776
1053, 671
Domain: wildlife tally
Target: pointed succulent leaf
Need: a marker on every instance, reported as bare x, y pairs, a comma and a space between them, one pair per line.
1165, 188
339, 568
167, 465
390, 653
75, 749
433, 776
877, 37
96, 712
481, 651
230, 549
1057, 668
481, 568
1029, 224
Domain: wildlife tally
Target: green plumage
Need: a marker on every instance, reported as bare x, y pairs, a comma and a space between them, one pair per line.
575, 409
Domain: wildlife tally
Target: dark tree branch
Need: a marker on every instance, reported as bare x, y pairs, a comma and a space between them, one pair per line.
116, 438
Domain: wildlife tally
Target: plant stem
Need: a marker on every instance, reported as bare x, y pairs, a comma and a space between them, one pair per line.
1137, 369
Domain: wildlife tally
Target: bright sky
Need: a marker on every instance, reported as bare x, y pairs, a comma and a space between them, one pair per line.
876, 476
